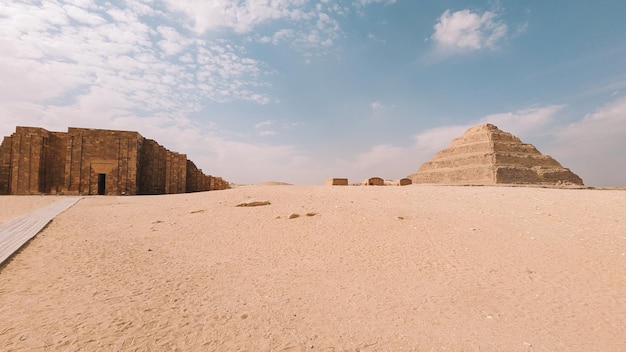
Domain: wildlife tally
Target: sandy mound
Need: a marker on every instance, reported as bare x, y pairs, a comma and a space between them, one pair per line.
275, 183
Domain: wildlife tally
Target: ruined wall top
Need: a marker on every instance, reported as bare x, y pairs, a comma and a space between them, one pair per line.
24, 130
100, 132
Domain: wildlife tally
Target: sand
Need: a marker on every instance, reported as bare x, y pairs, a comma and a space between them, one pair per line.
416, 268
13, 206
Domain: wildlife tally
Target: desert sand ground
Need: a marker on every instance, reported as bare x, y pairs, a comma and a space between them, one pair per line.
13, 206
416, 268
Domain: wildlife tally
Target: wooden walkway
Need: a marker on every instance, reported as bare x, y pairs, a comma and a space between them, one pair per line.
19, 230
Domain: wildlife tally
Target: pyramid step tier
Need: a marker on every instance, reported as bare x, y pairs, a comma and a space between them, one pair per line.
488, 147
486, 155
497, 159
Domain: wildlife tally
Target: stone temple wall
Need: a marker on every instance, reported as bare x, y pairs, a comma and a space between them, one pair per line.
22, 156
100, 162
218, 183
92, 161
5, 165
161, 171
152, 168
198, 181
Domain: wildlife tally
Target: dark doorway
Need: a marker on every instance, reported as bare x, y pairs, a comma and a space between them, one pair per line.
102, 182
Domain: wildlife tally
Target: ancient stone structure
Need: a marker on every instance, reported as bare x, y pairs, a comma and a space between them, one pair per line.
93, 161
336, 182
405, 182
374, 181
485, 155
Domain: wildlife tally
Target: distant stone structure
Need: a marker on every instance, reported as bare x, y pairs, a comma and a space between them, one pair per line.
405, 182
94, 161
374, 181
336, 182
485, 155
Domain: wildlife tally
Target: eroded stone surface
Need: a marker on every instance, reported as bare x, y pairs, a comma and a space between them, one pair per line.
94, 161
485, 155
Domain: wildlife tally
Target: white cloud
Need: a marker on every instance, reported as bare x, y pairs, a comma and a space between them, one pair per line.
240, 17
312, 28
173, 42
376, 105
53, 61
242, 162
129, 68
522, 123
393, 162
264, 124
595, 147
272, 127
525, 121
264, 127
432, 140
32, 80
82, 16
279, 37
465, 30
369, 2
384, 160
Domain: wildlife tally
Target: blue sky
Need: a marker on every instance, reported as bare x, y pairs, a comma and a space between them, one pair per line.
300, 91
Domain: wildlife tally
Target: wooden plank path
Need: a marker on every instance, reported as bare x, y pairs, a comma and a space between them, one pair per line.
17, 231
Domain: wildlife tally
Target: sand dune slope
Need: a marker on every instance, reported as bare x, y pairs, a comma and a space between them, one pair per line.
417, 268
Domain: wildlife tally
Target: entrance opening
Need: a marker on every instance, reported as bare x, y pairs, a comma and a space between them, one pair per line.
102, 181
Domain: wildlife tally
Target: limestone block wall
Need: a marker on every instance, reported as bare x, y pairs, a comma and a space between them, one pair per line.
160, 170
470, 148
536, 176
163, 171
5, 165
22, 158
53, 168
152, 167
459, 162
31, 161
374, 181
94, 161
101, 162
470, 175
517, 148
196, 180
336, 182
27, 150
175, 172
218, 183
404, 182
526, 160
212, 182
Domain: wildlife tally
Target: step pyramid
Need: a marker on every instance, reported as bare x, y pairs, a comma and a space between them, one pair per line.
485, 155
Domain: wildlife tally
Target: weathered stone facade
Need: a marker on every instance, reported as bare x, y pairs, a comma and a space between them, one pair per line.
93, 161
485, 155
336, 182
374, 181
405, 182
